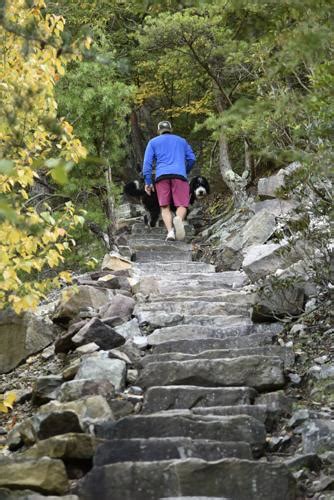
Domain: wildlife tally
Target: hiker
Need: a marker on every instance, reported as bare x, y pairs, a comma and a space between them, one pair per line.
174, 159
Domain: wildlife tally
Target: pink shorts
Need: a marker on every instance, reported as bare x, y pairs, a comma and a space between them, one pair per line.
173, 191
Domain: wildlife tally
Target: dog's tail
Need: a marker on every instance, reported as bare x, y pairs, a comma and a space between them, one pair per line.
133, 189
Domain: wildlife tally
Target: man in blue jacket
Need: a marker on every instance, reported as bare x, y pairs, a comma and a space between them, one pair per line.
174, 159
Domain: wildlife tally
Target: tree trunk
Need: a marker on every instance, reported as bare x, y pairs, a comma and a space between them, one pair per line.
137, 140
110, 210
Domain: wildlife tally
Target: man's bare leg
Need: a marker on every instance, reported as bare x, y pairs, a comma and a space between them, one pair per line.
167, 217
181, 212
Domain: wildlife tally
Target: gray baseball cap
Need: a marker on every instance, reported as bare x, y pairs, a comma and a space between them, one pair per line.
164, 126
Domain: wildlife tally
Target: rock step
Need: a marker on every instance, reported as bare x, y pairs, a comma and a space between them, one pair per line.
231, 478
191, 397
206, 344
284, 353
260, 372
259, 412
194, 332
141, 229
162, 256
152, 449
160, 246
198, 307
161, 319
184, 424
193, 294
180, 281
174, 267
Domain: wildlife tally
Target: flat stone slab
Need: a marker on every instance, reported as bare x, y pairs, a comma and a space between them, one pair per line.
230, 478
194, 332
260, 372
162, 255
189, 267
198, 307
257, 411
196, 293
154, 245
285, 353
160, 319
197, 346
182, 423
187, 396
146, 450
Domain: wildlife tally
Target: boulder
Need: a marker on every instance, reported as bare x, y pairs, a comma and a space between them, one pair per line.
45, 475
118, 306
267, 187
129, 330
46, 389
78, 299
65, 446
256, 231
261, 260
21, 336
318, 436
279, 301
275, 206
77, 389
98, 366
100, 333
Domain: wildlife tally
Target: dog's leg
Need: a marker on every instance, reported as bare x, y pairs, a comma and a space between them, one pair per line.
154, 218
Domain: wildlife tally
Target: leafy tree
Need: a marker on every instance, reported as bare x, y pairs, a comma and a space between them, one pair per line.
30, 136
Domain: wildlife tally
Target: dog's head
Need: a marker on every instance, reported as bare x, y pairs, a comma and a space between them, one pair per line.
133, 189
199, 187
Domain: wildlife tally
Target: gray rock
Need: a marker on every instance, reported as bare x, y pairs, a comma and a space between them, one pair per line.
129, 329
256, 231
46, 389
275, 206
78, 299
125, 450
256, 480
89, 410
176, 267
310, 461
285, 300
318, 436
77, 389
267, 187
45, 475
121, 408
87, 348
261, 260
100, 333
276, 402
162, 256
6, 494
21, 336
196, 307
260, 372
97, 367
257, 411
187, 396
66, 447
119, 305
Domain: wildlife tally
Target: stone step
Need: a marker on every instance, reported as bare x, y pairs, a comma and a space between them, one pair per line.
197, 346
191, 397
260, 372
284, 353
178, 282
160, 246
259, 412
162, 256
182, 423
235, 479
198, 307
152, 449
175, 267
195, 332
141, 229
194, 294
161, 319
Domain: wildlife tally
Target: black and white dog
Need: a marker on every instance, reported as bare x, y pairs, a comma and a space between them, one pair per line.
199, 188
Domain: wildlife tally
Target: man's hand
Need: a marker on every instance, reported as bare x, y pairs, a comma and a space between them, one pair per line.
149, 189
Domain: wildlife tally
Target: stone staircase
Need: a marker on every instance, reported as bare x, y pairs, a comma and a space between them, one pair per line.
212, 382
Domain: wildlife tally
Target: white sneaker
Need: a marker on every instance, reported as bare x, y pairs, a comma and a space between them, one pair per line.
171, 236
179, 228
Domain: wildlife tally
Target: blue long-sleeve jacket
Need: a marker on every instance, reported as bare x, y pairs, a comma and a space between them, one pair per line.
172, 155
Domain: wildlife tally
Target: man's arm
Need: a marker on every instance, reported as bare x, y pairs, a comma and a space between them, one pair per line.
148, 163
190, 158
